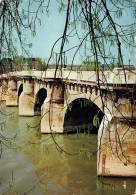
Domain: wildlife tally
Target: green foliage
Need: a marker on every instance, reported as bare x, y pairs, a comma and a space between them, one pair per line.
70, 106
84, 126
96, 121
30, 104
30, 45
60, 88
111, 95
90, 155
37, 100
67, 41
90, 127
33, 33
41, 9
67, 96
78, 131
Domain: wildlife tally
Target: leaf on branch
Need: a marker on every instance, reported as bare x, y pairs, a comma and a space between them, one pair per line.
40, 22
30, 45
41, 10
33, 33
96, 122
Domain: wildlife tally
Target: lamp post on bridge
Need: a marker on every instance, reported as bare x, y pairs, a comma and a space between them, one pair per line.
129, 64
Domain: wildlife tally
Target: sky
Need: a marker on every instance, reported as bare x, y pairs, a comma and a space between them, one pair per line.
52, 28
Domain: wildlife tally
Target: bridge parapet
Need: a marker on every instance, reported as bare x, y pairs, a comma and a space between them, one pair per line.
105, 78
115, 78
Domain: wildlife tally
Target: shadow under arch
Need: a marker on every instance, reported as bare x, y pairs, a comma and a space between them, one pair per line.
82, 115
39, 99
20, 90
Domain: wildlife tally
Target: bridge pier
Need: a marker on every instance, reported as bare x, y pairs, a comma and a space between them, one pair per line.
3, 89
117, 142
53, 110
11, 94
26, 99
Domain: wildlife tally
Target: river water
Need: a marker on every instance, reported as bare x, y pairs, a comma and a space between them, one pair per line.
36, 166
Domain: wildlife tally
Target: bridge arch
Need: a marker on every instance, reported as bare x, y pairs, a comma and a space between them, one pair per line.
20, 90
82, 115
39, 99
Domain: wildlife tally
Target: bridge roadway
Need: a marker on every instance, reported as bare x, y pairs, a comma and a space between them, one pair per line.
54, 91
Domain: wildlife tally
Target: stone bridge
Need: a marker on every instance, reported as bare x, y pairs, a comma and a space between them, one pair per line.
82, 101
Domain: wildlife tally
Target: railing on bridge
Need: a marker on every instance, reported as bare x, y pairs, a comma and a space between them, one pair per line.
9, 66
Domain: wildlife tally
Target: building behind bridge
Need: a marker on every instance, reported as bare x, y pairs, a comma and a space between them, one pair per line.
20, 63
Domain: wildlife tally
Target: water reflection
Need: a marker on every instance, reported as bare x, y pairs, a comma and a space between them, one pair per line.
37, 157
